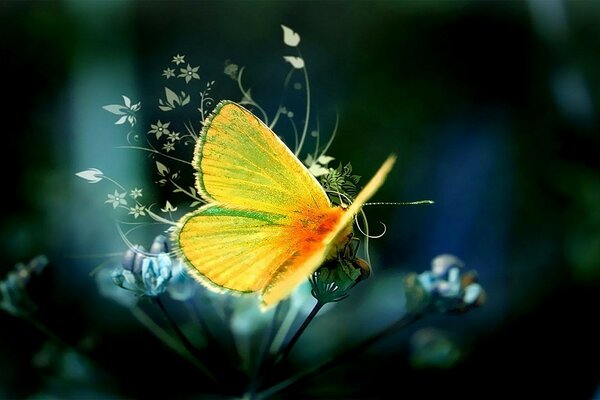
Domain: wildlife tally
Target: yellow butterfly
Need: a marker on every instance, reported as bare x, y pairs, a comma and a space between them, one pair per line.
268, 224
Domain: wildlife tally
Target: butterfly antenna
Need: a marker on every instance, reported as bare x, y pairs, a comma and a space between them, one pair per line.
371, 236
366, 242
400, 203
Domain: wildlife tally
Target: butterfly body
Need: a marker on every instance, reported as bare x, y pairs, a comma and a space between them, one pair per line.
268, 223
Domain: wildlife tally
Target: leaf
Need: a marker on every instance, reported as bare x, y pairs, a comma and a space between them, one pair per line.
171, 97
115, 109
165, 108
192, 191
309, 160
162, 169
194, 204
324, 160
296, 62
168, 207
318, 170
290, 37
185, 101
121, 120
91, 175
127, 101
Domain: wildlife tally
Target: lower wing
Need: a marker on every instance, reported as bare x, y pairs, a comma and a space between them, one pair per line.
248, 251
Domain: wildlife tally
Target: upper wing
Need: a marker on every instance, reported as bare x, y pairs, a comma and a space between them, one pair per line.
254, 251
242, 163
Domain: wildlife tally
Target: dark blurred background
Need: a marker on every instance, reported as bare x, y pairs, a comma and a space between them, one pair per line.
492, 108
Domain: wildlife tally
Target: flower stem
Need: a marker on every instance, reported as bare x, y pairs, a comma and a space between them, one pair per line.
257, 375
183, 339
403, 322
307, 115
288, 347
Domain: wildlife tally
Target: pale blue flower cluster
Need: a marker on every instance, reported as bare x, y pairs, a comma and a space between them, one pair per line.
152, 273
448, 287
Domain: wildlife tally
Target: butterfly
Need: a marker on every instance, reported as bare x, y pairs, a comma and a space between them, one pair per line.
267, 224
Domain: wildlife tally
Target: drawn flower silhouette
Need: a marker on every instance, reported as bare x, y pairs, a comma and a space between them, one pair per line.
173, 136
137, 211
159, 129
178, 59
189, 73
117, 199
135, 193
168, 146
169, 73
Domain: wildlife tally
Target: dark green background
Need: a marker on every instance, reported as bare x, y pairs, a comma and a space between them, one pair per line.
492, 108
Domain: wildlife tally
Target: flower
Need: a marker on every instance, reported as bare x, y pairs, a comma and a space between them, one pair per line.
332, 281
150, 274
137, 211
168, 146
174, 136
135, 193
182, 286
231, 70
13, 290
117, 199
169, 73
159, 128
189, 73
445, 288
178, 59
145, 274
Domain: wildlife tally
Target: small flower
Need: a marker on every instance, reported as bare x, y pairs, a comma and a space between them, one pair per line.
159, 128
13, 290
445, 288
117, 199
182, 286
135, 193
142, 273
137, 211
168, 146
332, 281
174, 136
156, 272
178, 59
231, 70
152, 273
169, 73
189, 73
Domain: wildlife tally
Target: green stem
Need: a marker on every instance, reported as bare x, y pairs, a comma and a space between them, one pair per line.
257, 376
288, 347
307, 116
403, 322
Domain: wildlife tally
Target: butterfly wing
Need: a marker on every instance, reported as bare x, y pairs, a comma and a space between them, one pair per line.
269, 223
251, 251
266, 214
240, 162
